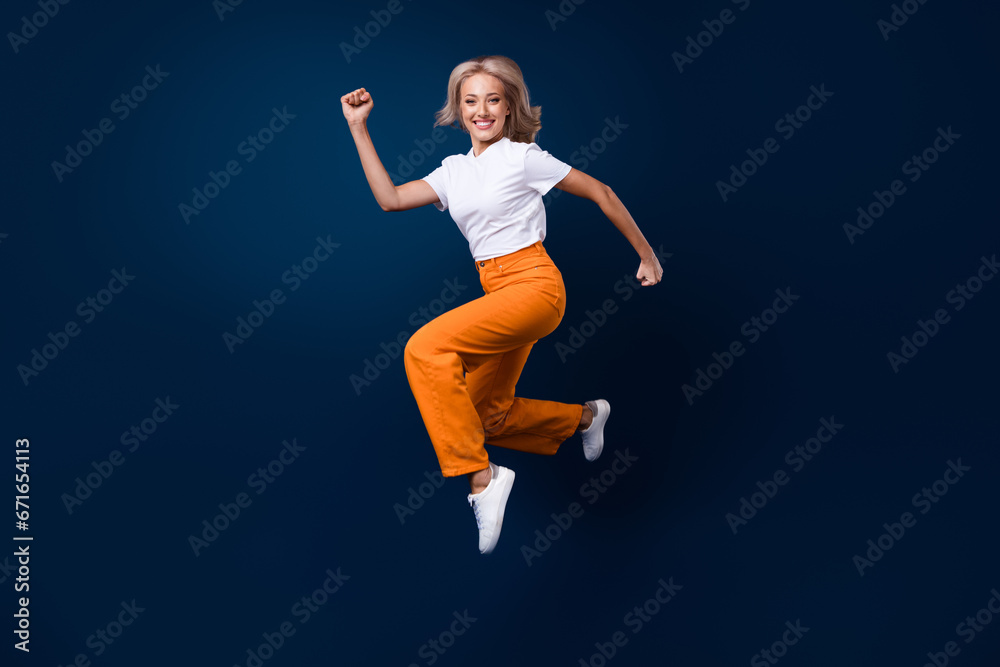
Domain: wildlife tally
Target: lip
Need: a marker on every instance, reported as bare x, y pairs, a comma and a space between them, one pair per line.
493, 122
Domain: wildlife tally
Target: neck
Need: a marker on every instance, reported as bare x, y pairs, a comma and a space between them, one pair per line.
483, 145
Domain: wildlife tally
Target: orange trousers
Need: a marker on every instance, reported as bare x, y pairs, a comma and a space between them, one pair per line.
462, 365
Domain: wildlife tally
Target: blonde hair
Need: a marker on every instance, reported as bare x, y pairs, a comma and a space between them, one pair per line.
524, 121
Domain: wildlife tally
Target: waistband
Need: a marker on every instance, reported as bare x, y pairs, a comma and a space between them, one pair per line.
535, 248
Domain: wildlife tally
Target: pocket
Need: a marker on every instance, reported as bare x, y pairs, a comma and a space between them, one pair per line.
527, 262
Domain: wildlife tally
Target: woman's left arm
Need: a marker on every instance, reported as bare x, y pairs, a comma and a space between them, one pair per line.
580, 184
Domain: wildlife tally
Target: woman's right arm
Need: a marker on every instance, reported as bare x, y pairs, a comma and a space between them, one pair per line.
357, 105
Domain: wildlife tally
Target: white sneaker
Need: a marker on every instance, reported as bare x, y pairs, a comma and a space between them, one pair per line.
593, 435
489, 504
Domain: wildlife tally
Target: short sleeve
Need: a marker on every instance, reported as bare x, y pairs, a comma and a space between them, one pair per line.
438, 180
542, 170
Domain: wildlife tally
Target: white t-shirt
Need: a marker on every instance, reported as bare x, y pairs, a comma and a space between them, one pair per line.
496, 198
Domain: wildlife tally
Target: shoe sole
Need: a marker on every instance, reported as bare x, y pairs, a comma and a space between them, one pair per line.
606, 412
504, 494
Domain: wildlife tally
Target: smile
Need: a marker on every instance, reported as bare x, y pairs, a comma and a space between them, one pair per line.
484, 124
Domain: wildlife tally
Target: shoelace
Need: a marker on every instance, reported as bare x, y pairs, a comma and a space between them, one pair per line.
475, 508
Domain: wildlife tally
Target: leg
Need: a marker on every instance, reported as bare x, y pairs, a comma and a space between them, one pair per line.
480, 479
524, 424
438, 356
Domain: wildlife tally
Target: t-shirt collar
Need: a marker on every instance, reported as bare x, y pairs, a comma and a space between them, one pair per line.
473, 155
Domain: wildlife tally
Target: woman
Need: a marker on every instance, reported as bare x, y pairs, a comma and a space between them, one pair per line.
463, 365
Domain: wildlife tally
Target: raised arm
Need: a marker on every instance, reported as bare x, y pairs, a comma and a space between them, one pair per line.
357, 105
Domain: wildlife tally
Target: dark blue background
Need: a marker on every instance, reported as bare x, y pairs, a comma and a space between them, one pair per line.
334, 506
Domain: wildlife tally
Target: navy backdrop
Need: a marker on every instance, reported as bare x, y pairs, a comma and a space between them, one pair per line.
801, 465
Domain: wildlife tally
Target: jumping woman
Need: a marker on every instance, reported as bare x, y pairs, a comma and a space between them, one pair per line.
463, 365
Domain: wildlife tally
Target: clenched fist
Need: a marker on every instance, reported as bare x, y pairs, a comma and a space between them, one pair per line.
357, 105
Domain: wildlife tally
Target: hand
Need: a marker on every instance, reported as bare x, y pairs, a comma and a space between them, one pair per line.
357, 105
650, 272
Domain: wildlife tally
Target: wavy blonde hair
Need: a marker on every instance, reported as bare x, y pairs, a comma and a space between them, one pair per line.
524, 121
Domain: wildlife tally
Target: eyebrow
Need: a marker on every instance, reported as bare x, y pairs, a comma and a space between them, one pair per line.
474, 95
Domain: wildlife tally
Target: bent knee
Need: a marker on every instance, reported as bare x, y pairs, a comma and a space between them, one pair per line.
419, 346
493, 419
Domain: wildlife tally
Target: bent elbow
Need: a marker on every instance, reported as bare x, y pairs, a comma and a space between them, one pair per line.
393, 205
389, 207
606, 194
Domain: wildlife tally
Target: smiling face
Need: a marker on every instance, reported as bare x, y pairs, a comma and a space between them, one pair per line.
483, 100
